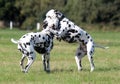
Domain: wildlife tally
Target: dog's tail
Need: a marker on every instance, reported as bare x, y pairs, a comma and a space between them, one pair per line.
100, 46
14, 41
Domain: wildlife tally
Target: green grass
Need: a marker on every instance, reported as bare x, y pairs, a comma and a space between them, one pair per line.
63, 66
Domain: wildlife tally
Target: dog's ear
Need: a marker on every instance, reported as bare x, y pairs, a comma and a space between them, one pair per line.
58, 14
55, 11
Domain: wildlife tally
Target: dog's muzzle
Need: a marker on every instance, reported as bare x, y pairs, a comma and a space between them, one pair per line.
45, 24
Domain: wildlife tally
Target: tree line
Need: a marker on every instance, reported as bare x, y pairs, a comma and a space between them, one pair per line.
25, 13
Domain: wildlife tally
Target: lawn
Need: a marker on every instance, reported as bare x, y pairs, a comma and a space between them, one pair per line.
63, 66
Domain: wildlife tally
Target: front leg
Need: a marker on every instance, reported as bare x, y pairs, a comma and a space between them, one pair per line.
45, 59
47, 62
80, 53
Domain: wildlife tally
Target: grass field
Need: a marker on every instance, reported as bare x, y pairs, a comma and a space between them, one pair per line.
63, 66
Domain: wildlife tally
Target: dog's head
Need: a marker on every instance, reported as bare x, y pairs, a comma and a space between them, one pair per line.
52, 19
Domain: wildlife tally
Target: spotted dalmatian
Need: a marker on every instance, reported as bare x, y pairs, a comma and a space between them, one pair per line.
42, 42
66, 30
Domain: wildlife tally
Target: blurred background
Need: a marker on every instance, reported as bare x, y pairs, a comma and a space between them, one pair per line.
90, 14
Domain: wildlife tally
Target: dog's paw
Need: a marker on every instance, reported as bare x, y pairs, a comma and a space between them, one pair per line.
92, 69
24, 71
80, 69
48, 71
58, 38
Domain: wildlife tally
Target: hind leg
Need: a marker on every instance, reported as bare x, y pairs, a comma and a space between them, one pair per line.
22, 62
31, 59
78, 62
81, 52
90, 52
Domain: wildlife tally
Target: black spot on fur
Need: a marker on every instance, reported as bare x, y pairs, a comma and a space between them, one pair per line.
27, 53
25, 45
34, 41
88, 37
43, 37
24, 36
77, 36
59, 26
69, 25
32, 38
72, 30
91, 57
22, 52
32, 58
67, 22
28, 43
85, 42
91, 40
39, 35
67, 34
82, 41
53, 26
64, 21
26, 66
91, 52
76, 31
31, 52
79, 54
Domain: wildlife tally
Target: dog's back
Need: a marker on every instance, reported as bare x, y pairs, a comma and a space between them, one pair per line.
40, 41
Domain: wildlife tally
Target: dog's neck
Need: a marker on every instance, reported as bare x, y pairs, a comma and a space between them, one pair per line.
60, 19
48, 32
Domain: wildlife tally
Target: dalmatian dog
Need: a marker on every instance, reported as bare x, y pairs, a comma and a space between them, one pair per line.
41, 42
66, 30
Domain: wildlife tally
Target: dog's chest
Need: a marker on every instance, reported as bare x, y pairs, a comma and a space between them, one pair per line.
40, 50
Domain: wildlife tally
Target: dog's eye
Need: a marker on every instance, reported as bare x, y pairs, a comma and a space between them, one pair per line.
49, 17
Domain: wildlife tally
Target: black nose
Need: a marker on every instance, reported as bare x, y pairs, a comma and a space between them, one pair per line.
45, 24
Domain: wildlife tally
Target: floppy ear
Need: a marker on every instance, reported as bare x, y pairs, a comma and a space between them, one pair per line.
58, 14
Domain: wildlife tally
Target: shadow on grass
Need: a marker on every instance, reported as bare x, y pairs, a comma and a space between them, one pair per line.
106, 69
68, 70
61, 70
